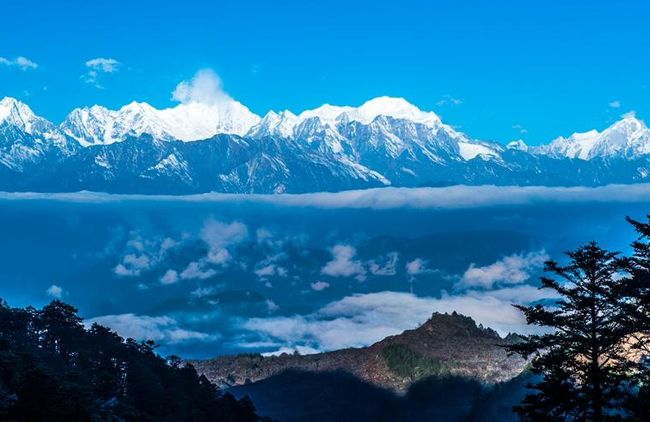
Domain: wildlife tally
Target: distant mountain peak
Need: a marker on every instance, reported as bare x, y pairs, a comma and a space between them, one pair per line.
455, 324
446, 344
397, 108
185, 122
137, 107
327, 113
518, 145
629, 124
386, 141
15, 112
275, 124
626, 138
18, 114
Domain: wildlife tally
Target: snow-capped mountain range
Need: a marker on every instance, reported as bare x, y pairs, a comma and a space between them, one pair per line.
196, 147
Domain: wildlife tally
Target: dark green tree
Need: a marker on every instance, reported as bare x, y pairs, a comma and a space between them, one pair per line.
638, 313
582, 356
53, 368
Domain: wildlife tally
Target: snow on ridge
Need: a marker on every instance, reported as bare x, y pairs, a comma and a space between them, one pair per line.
192, 121
185, 122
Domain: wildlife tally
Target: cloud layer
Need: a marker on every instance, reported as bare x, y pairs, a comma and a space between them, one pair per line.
454, 197
156, 328
362, 319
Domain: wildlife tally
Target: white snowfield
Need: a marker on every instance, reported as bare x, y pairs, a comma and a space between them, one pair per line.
194, 121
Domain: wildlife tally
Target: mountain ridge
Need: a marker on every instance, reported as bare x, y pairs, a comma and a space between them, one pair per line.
223, 147
444, 345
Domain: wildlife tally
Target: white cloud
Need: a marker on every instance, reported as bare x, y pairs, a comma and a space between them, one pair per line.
513, 269
137, 262
319, 285
415, 267
629, 114
362, 319
144, 327
205, 291
196, 270
142, 255
98, 66
302, 350
263, 270
170, 277
220, 236
205, 88
271, 306
615, 104
218, 256
520, 128
263, 235
448, 99
103, 65
55, 291
386, 266
343, 263
266, 271
21, 62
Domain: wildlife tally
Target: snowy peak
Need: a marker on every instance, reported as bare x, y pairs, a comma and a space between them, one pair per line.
382, 125
397, 108
326, 113
578, 145
286, 123
18, 114
185, 122
627, 138
518, 145
89, 125
274, 124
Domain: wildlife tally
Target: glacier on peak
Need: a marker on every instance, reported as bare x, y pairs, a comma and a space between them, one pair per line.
186, 122
626, 138
387, 123
385, 141
397, 108
286, 124
18, 114
518, 145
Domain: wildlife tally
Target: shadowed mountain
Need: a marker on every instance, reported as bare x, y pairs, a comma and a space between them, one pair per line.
294, 396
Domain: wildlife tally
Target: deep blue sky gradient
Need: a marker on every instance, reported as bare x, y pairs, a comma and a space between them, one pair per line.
551, 67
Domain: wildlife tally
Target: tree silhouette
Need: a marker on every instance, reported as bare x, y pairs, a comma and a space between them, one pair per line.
52, 368
582, 356
638, 313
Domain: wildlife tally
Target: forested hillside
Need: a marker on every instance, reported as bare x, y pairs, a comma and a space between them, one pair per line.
53, 368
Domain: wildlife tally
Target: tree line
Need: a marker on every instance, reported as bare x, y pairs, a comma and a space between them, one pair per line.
593, 347
54, 369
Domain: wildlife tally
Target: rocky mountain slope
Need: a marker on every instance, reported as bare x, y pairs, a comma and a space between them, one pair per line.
445, 345
223, 147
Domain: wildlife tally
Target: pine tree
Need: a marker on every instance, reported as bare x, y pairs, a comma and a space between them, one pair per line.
582, 356
54, 369
638, 313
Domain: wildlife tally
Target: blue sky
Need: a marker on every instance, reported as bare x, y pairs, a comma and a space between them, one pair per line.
497, 70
